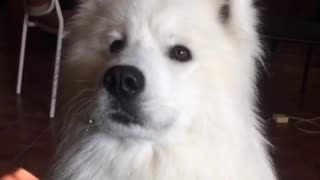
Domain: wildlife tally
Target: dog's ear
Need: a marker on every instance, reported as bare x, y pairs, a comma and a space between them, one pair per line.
239, 15
240, 18
224, 12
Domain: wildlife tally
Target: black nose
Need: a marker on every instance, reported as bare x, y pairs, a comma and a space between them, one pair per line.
124, 81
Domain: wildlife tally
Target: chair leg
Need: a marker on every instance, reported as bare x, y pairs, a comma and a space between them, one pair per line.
306, 70
57, 60
22, 52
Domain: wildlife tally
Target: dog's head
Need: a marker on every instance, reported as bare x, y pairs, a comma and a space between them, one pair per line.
153, 68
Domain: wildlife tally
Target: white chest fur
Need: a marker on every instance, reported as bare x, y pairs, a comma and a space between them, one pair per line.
102, 158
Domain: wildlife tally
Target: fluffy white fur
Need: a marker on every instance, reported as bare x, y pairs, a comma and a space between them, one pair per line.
201, 116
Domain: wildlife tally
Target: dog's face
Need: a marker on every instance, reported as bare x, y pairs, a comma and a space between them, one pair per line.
147, 67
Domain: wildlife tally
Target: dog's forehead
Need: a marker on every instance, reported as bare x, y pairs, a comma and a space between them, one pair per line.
160, 16
137, 19
154, 5
158, 11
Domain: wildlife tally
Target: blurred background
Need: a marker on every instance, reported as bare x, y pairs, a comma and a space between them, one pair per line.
289, 85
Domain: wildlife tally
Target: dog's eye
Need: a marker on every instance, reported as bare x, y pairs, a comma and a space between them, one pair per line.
180, 53
117, 46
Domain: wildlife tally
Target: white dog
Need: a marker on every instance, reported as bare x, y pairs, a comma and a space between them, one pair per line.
164, 90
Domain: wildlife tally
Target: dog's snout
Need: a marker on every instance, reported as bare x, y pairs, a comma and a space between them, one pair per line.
124, 81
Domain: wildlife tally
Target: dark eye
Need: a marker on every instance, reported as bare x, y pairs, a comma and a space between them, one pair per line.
117, 46
180, 53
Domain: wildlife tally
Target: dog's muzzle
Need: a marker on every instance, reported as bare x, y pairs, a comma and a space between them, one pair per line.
124, 84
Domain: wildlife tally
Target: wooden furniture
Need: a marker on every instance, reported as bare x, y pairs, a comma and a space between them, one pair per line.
295, 30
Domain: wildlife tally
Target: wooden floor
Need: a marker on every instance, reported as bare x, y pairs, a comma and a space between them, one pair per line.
27, 139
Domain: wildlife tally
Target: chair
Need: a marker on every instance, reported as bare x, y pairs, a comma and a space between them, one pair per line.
55, 5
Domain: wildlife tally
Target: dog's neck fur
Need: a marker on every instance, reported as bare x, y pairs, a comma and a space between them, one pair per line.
134, 160
102, 157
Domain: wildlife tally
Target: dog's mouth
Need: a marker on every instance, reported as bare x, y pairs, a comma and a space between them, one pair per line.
124, 113
125, 118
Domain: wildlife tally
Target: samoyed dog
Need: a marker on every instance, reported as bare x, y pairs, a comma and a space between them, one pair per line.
163, 90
